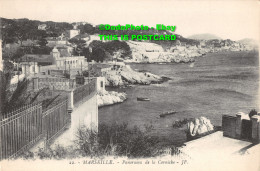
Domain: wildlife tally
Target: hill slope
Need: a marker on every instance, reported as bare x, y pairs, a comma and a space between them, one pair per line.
204, 36
250, 42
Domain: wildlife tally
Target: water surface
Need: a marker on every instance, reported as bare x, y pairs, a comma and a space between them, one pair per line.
220, 83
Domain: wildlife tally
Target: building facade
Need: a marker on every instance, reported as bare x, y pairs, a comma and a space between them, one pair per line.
29, 68
66, 61
42, 27
73, 33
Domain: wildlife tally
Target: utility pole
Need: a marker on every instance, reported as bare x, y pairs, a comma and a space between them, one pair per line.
18, 72
65, 67
34, 66
81, 67
69, 70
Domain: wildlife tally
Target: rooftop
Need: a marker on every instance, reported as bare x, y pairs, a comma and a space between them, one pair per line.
40, 58
82, 36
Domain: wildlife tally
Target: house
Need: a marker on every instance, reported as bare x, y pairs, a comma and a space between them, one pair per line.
40, 59
54, 41
67, 60
60, 58
72, 33
42, 27
85, 37
98, 69
29, 68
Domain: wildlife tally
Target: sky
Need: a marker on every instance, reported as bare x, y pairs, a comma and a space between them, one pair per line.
227, 19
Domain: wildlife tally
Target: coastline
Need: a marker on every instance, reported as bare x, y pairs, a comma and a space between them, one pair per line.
190, 97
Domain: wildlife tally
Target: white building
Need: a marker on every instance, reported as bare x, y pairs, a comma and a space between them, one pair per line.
42, 27
66, 61
73, 33
58, 59
53, 41
101, 84
29, 68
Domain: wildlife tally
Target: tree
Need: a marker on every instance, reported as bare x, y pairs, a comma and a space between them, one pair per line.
79, 45
86, 53
18, 54
42, 42
98, 54
87, 28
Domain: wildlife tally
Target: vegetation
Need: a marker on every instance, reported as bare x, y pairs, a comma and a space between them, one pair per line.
252, 113
181, 123
19, 30
106, 50
21, 95
110, 140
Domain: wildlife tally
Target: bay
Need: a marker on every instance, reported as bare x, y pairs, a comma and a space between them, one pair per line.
216, 84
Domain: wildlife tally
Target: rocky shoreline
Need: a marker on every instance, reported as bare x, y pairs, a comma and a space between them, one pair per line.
154, 53
121, 76
106, 98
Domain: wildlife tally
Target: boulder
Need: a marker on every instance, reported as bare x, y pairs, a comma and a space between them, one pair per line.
105, 98
199, 126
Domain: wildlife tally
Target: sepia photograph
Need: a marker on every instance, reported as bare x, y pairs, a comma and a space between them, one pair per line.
129, 85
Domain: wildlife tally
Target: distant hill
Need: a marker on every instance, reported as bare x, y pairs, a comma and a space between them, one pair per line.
204, 36
250, 42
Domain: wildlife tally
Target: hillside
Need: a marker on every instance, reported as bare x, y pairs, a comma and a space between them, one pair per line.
204, 36
20, 31
249, 42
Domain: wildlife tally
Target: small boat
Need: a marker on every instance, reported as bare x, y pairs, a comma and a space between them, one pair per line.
142, 99
167, 113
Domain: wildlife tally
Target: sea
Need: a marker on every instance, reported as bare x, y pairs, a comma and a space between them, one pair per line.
215, 84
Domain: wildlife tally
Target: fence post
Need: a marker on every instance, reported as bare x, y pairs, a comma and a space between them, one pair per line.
71, 99
238, 125
255, 127
35, 83
1, 140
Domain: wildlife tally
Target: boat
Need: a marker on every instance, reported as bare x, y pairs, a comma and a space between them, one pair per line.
142, 99
167, 113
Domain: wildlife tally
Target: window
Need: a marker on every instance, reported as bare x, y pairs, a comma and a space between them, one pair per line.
101, 84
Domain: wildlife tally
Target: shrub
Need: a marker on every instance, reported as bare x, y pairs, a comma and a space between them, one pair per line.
130, 142
86, 142
58, 152
181, 123
252, 113
27, 155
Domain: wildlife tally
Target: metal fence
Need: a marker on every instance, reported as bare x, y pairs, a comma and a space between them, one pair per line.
56, 83
55, 120
22, 128
83, 91
52, 83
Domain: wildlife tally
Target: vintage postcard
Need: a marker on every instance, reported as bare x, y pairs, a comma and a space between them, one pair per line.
129, 85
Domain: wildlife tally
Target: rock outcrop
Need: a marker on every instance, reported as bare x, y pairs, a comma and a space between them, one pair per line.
199, 126
147, 52
125, 75
110, 97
